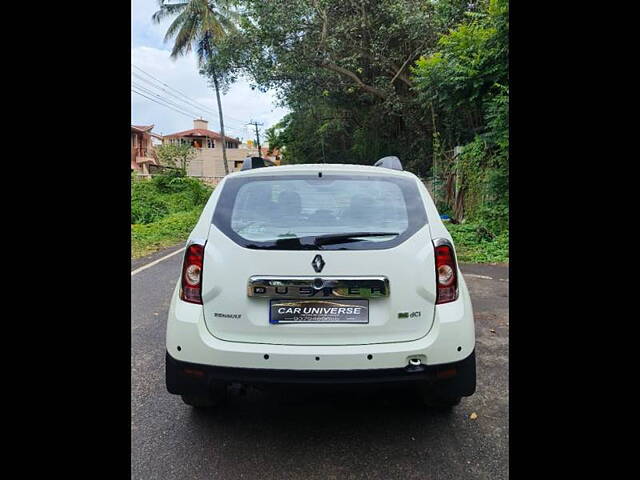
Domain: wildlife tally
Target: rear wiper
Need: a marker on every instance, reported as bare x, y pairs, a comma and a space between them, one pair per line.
296, 242
315, 242
348, 237
293, 243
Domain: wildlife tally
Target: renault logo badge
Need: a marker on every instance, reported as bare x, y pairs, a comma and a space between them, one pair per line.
318, 263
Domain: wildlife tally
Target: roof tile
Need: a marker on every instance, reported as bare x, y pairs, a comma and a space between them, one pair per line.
200, 132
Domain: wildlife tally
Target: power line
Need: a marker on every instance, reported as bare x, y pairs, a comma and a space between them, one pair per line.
177, 110
163, 83
176, 97
166, 100
188, 108
163, 104
188, 102
188, 99
189, 105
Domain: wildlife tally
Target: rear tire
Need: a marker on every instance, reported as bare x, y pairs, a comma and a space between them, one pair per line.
216, 397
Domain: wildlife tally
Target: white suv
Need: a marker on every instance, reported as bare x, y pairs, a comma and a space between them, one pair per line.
320, 274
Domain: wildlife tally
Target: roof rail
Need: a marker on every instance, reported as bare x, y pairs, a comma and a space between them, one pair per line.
256, 162
389, 162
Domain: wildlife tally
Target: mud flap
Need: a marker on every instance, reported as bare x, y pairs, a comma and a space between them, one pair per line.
463, 384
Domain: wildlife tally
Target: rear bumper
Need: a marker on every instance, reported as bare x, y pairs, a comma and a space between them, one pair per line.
450, 339
457, 378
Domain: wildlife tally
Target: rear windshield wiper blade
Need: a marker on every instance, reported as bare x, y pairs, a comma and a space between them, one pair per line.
295, 242
348, 237
315, 242
285, 244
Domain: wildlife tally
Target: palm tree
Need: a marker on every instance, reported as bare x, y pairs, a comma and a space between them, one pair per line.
199, 23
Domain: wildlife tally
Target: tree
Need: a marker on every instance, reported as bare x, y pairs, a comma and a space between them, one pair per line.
364, 79
464, 81
199, 24
342, 67
175, 155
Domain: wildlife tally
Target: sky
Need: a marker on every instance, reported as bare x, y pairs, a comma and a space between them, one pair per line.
150, 55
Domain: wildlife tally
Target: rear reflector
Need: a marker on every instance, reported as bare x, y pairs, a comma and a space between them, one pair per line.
446, 373
446, 274
191, 281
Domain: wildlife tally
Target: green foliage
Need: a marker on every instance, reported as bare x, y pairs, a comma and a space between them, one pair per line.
205, 26
464, 71
475, 244
165, 195
484, 169
373, 78
196, 23
165, 232
169, 182
341, 68
465, 81
187, 191
146, 205
344, 70
276, 137
175, 155
165, 210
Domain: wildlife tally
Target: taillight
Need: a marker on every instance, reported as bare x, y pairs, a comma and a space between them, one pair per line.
192, 274
446, 273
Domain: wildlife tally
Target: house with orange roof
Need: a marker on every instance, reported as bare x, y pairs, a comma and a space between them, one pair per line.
208, 162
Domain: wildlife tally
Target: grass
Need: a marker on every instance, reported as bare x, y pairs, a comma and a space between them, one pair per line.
474, 245
168, 231
164, 211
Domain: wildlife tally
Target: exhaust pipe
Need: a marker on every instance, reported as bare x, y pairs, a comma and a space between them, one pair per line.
415, 365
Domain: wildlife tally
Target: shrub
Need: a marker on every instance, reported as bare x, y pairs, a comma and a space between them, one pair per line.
167, 231
164, 210
169, 182
166, 194
476, 244
147, 205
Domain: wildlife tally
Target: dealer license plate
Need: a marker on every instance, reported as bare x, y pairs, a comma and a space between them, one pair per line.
319, 311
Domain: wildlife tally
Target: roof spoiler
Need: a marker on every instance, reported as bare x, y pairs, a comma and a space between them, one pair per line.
256, 162
389, 162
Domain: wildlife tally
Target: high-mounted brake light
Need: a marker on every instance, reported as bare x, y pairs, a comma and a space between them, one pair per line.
446, 273
192, 274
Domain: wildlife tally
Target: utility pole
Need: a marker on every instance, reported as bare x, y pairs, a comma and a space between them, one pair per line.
256, 124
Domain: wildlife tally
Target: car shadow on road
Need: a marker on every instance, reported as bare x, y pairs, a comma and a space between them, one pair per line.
329, 432
325, 411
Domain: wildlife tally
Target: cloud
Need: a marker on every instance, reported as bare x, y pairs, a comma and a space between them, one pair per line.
143, 31
240, 105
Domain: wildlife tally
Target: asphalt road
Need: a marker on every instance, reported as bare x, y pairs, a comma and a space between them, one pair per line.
317, 435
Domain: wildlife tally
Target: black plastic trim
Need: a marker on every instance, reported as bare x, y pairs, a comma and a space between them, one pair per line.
392, 162
180, 383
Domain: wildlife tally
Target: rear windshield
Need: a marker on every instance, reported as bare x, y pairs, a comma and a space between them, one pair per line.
324, 213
